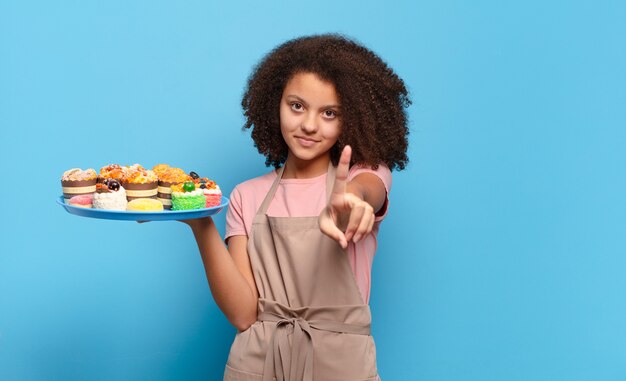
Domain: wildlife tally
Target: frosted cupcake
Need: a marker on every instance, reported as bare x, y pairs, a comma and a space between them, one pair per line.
186, 197
140, 182
212, 192
110, 195
76, 181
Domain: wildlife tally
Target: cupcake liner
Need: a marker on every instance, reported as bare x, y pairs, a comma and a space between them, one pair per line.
135, 191
78, 187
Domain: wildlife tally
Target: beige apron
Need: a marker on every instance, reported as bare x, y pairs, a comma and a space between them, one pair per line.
312, 322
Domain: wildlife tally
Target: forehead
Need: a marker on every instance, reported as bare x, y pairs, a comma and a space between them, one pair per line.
311, 88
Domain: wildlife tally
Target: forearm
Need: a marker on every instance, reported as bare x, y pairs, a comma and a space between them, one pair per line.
231, 291
368, 188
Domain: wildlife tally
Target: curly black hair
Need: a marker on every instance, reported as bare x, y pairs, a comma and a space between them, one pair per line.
373, 99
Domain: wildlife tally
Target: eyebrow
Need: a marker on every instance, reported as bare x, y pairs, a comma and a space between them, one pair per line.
306, 104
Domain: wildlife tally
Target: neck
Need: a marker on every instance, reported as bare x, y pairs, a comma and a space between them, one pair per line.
305, 169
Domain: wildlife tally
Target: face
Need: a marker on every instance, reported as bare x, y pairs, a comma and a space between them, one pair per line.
309, 119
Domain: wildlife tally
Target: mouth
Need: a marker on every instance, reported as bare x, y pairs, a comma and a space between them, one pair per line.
306, 142
304, 138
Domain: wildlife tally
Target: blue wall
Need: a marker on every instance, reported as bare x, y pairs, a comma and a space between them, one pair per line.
504, 253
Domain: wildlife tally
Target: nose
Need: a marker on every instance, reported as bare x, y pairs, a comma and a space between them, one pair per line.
309, 123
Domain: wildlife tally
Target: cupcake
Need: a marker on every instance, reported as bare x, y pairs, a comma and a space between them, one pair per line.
186, 196
82, 201
110, 195
139, 182
161, 169
168, 176
212, 192
76, 182
112, 171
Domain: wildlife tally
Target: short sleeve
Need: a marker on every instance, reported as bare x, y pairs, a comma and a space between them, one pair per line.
384, 174
235, 224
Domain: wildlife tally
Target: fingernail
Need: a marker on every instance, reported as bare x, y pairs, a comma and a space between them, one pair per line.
356, 238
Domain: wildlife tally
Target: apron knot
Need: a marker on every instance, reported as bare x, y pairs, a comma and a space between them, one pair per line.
289, 356
290, 362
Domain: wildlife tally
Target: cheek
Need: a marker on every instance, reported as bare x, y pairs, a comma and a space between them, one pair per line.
333, 130
287, 119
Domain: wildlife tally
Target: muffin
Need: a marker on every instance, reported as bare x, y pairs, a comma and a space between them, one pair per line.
168, 176
112, 171
139, 182
76, 181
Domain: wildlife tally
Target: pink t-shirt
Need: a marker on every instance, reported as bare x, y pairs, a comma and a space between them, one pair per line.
302, 198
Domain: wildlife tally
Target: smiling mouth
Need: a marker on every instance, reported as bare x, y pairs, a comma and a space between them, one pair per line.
307, 139
306, 142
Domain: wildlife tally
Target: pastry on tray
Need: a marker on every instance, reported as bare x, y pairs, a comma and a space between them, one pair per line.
145, 205
168, 176
140, 182
110, 195
134, 188
212, 192
82, 201
186, 196
76, 181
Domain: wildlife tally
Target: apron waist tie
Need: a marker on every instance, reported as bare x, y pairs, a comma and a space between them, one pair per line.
297, 364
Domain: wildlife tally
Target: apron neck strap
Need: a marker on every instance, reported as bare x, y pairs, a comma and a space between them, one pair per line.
330, 180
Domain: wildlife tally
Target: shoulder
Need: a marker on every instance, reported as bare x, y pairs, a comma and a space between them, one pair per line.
251, 190
257, 184
245, 199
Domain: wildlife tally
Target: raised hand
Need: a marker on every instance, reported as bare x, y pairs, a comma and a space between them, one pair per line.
347, 216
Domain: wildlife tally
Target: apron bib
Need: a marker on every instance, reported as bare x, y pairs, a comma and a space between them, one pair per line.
312, 322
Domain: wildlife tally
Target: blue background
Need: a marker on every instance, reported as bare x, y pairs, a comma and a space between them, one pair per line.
504, 252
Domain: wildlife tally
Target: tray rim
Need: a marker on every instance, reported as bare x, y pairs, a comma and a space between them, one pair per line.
125, 215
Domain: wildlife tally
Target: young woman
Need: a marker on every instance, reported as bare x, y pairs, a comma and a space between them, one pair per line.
329, 116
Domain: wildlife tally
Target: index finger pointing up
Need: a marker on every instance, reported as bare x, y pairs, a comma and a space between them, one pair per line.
341, 177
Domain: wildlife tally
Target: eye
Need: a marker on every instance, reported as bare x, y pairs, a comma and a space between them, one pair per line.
329, 114
296, 106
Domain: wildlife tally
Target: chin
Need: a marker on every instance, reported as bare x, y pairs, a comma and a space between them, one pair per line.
301, 154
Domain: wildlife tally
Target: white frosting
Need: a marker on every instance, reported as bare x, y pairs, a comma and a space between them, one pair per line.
215, 190
111, 200
197, 192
